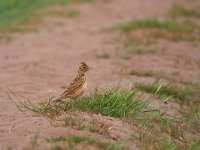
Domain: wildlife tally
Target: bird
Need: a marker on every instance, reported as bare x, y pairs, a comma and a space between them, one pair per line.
77, 86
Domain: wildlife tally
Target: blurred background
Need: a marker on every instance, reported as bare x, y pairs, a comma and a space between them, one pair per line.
43, 42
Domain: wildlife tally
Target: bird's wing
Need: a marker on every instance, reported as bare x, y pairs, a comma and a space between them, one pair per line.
73, 87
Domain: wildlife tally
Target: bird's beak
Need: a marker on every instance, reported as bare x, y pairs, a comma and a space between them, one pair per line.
90, 68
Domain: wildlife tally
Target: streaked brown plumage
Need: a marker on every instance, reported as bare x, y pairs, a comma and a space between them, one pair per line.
78, 85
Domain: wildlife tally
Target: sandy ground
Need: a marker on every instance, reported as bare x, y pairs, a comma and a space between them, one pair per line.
41, 63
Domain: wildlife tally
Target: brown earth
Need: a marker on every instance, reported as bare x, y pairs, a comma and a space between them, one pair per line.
40, 63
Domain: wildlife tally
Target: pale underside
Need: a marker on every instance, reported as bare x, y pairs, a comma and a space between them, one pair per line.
76, 88
79, 92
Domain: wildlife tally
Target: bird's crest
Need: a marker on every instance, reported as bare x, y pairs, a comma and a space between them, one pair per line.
84, 64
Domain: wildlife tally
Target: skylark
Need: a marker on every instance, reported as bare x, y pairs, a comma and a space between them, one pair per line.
78, 85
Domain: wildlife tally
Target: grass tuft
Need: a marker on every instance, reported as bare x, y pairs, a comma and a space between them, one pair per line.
160, 132
114, 103
73, 140
14, 12
156, 24
15, 15
72, 13
147, 30
166, 90
182, 11
35, 140
138, 73
103, 56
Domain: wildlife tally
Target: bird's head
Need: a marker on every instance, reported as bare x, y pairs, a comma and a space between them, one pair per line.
84, 68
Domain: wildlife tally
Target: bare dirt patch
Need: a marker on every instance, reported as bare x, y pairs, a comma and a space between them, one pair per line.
41, 63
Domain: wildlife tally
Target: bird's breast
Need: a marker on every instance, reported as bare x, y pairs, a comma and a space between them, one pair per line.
85, 84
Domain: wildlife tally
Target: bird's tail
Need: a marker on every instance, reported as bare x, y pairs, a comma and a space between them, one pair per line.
57, 100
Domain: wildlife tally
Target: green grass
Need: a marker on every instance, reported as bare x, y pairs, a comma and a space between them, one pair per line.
103, 56
160, 131
194, 146
14, 14
169, 133
189, 97
58, 12
166, 90
114, 103
131, 47
160, 75
135, 50
149, 29
168, 144
72, 13
155, 24
177, 10
192, 115
73, 140
35, 140
150, 141
82, 124
138, 73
